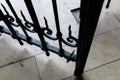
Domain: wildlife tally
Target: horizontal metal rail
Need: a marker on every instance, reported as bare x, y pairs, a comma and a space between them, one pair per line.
36, 42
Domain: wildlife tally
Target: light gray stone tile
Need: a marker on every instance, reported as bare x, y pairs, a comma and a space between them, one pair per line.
54, 67
105, 48
12, 51
23, 70
107, 22
115, 7
70, 4
107, 72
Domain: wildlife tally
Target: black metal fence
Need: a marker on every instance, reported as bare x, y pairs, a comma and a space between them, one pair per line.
35, 27
89, 15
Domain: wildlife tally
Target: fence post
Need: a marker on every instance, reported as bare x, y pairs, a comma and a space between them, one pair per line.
89, 15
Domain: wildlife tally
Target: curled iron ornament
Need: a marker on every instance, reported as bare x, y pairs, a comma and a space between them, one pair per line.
28, 24
18, 21
9, 17
70, 41
71, 38
7, 22
47, 31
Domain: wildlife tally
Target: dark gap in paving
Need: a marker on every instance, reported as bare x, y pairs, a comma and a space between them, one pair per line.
76, 14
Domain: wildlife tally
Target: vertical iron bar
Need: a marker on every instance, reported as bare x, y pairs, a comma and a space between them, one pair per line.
59, 34
10, 27
108, 4
89, 15
18, 21
36, 24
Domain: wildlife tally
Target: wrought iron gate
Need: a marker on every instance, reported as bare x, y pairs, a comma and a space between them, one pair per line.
89, 15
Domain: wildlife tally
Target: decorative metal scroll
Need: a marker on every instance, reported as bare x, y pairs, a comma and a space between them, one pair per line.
34, 27
89, 9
